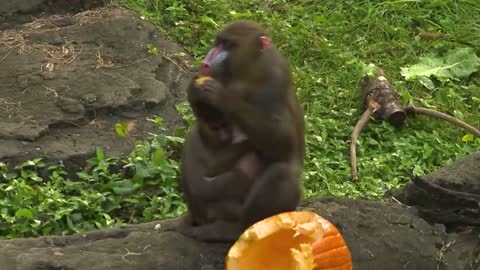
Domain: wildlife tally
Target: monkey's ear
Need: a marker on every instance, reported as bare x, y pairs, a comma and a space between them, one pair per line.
264, 42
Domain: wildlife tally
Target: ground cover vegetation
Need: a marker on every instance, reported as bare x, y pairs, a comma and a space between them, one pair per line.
428, 50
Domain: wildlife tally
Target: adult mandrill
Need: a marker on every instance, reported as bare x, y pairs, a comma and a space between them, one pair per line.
249, 115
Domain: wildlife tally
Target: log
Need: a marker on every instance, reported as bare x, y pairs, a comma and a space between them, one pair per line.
381, 100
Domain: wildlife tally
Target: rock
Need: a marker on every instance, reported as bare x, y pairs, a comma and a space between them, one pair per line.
449, 195
380, 235
9, 7
22, 11
90, 71
70, 105
461, 175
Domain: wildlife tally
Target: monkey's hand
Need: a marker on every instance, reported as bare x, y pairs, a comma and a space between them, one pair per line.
212, 91
201, 79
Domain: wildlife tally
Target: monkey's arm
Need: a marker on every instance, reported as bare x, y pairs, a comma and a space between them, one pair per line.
226, 158
194, 168
231, 184
266, 117
271, 132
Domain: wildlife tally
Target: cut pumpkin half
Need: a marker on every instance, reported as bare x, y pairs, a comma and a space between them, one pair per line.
298, 240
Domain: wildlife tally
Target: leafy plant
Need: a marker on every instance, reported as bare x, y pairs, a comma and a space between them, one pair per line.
151, 49
138, 188
455, 65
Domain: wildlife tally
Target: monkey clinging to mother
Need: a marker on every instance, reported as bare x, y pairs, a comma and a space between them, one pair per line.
242, 160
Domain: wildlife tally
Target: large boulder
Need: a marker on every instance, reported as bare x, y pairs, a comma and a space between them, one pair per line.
21, 11
67, 79
449, 195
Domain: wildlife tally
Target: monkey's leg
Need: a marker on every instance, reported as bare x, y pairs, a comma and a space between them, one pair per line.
218, 231
231, 184
228, 210
277, 190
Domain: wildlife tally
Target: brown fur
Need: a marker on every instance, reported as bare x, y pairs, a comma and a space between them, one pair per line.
253, 91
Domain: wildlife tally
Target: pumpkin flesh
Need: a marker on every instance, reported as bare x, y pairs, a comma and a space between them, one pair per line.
277, 242
298, 240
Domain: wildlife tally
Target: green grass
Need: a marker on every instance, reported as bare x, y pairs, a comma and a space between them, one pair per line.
329, 45
37, 199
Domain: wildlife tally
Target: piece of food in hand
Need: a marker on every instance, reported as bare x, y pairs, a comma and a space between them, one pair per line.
297, 240
200, 80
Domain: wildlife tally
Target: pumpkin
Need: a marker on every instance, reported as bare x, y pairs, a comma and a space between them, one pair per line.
297, 240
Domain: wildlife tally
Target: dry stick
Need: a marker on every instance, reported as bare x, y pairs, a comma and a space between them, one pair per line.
381, 100
442, 116
362, 122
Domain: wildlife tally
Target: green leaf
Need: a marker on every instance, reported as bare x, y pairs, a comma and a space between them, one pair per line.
454, 65
151, 49
100, 154
467, 137
141, 171
125, 187
24, 213
458, 114
70, 223
121, 129
425, 81
158, 157
369, 70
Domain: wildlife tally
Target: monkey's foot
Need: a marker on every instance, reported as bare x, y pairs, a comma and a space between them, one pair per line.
180, 222
219, 231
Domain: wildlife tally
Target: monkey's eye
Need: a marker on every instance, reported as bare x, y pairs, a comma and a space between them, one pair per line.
227, 44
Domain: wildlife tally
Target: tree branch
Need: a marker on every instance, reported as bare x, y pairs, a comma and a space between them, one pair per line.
442, 116
362, 122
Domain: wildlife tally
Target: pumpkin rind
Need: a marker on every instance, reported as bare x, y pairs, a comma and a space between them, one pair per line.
297, 240
331, 252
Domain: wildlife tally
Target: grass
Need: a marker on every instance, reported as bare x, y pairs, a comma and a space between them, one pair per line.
329, 45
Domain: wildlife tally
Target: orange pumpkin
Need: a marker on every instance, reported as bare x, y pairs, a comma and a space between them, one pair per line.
298, 240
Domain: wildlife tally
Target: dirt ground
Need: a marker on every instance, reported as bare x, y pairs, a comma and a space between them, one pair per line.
67, 78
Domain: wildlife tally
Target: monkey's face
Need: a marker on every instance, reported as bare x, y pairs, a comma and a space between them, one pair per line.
215, 60
236, 51
234, 56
